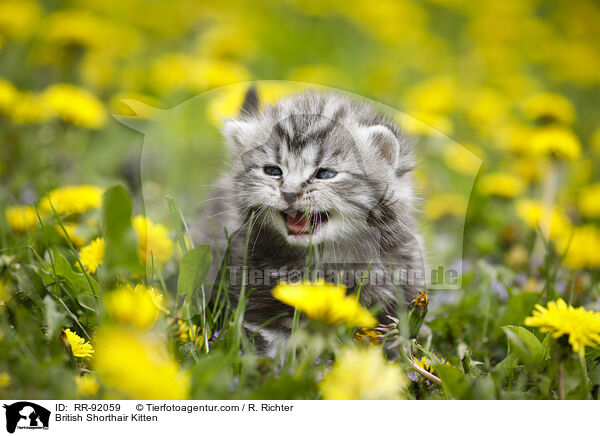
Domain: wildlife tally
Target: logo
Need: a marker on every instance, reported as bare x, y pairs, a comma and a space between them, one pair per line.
26, 415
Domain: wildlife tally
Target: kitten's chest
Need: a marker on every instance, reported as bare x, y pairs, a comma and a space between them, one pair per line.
348, 252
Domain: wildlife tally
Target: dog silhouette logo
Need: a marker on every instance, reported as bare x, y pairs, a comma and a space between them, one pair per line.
26, 415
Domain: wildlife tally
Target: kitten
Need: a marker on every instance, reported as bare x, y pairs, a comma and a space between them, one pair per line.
320, 177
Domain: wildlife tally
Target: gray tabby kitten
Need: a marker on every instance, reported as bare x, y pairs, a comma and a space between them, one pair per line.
316, 173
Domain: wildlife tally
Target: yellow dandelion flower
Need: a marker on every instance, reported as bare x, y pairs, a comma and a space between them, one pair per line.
485, 107
462, 159
18, 17
388, 20
158, 298
442, 205
77, 240
421, 300
556, 142
362, 373
72, 200
583, 246
139, 366
172, 71
132, 306
21, 218
8, 96
73, 27
92, 255
548, 106
368, 336
79, 346
29, 108
75, 105
425, 364
530, 168
501, 184
426, 124
231, 40
532, 212
515, 138
4, 380
589, 201
185, 333
87, 385
582, 326
153, 240
324, 302
437, 95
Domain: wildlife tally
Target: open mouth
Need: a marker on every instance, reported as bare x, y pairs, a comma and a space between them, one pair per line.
299, 224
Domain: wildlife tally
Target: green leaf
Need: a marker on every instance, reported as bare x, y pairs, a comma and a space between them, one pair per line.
528, 348
416, 316
193, 269
211, 376
592, 354
485, 388
287, 387
596, 376
119, 235
508, 363
88, 302
455, 383
177, 223
76, 281
30, 283
547, 345
53, 316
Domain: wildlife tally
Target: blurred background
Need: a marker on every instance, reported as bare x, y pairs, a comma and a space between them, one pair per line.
514, 82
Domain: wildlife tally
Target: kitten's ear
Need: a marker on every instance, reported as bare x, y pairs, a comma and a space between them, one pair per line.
251, 105
385, 142
238, 132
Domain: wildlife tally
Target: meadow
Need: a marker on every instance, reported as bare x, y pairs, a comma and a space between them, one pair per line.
110, 117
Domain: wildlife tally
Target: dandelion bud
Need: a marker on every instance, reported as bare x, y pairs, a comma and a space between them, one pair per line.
417, 313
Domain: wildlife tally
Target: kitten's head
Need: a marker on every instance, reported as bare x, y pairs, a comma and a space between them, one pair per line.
320, 167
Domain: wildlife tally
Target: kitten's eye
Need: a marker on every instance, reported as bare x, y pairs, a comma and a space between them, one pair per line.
273, 171
325, 173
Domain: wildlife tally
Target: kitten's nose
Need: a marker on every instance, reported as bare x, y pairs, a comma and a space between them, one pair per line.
289, 197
